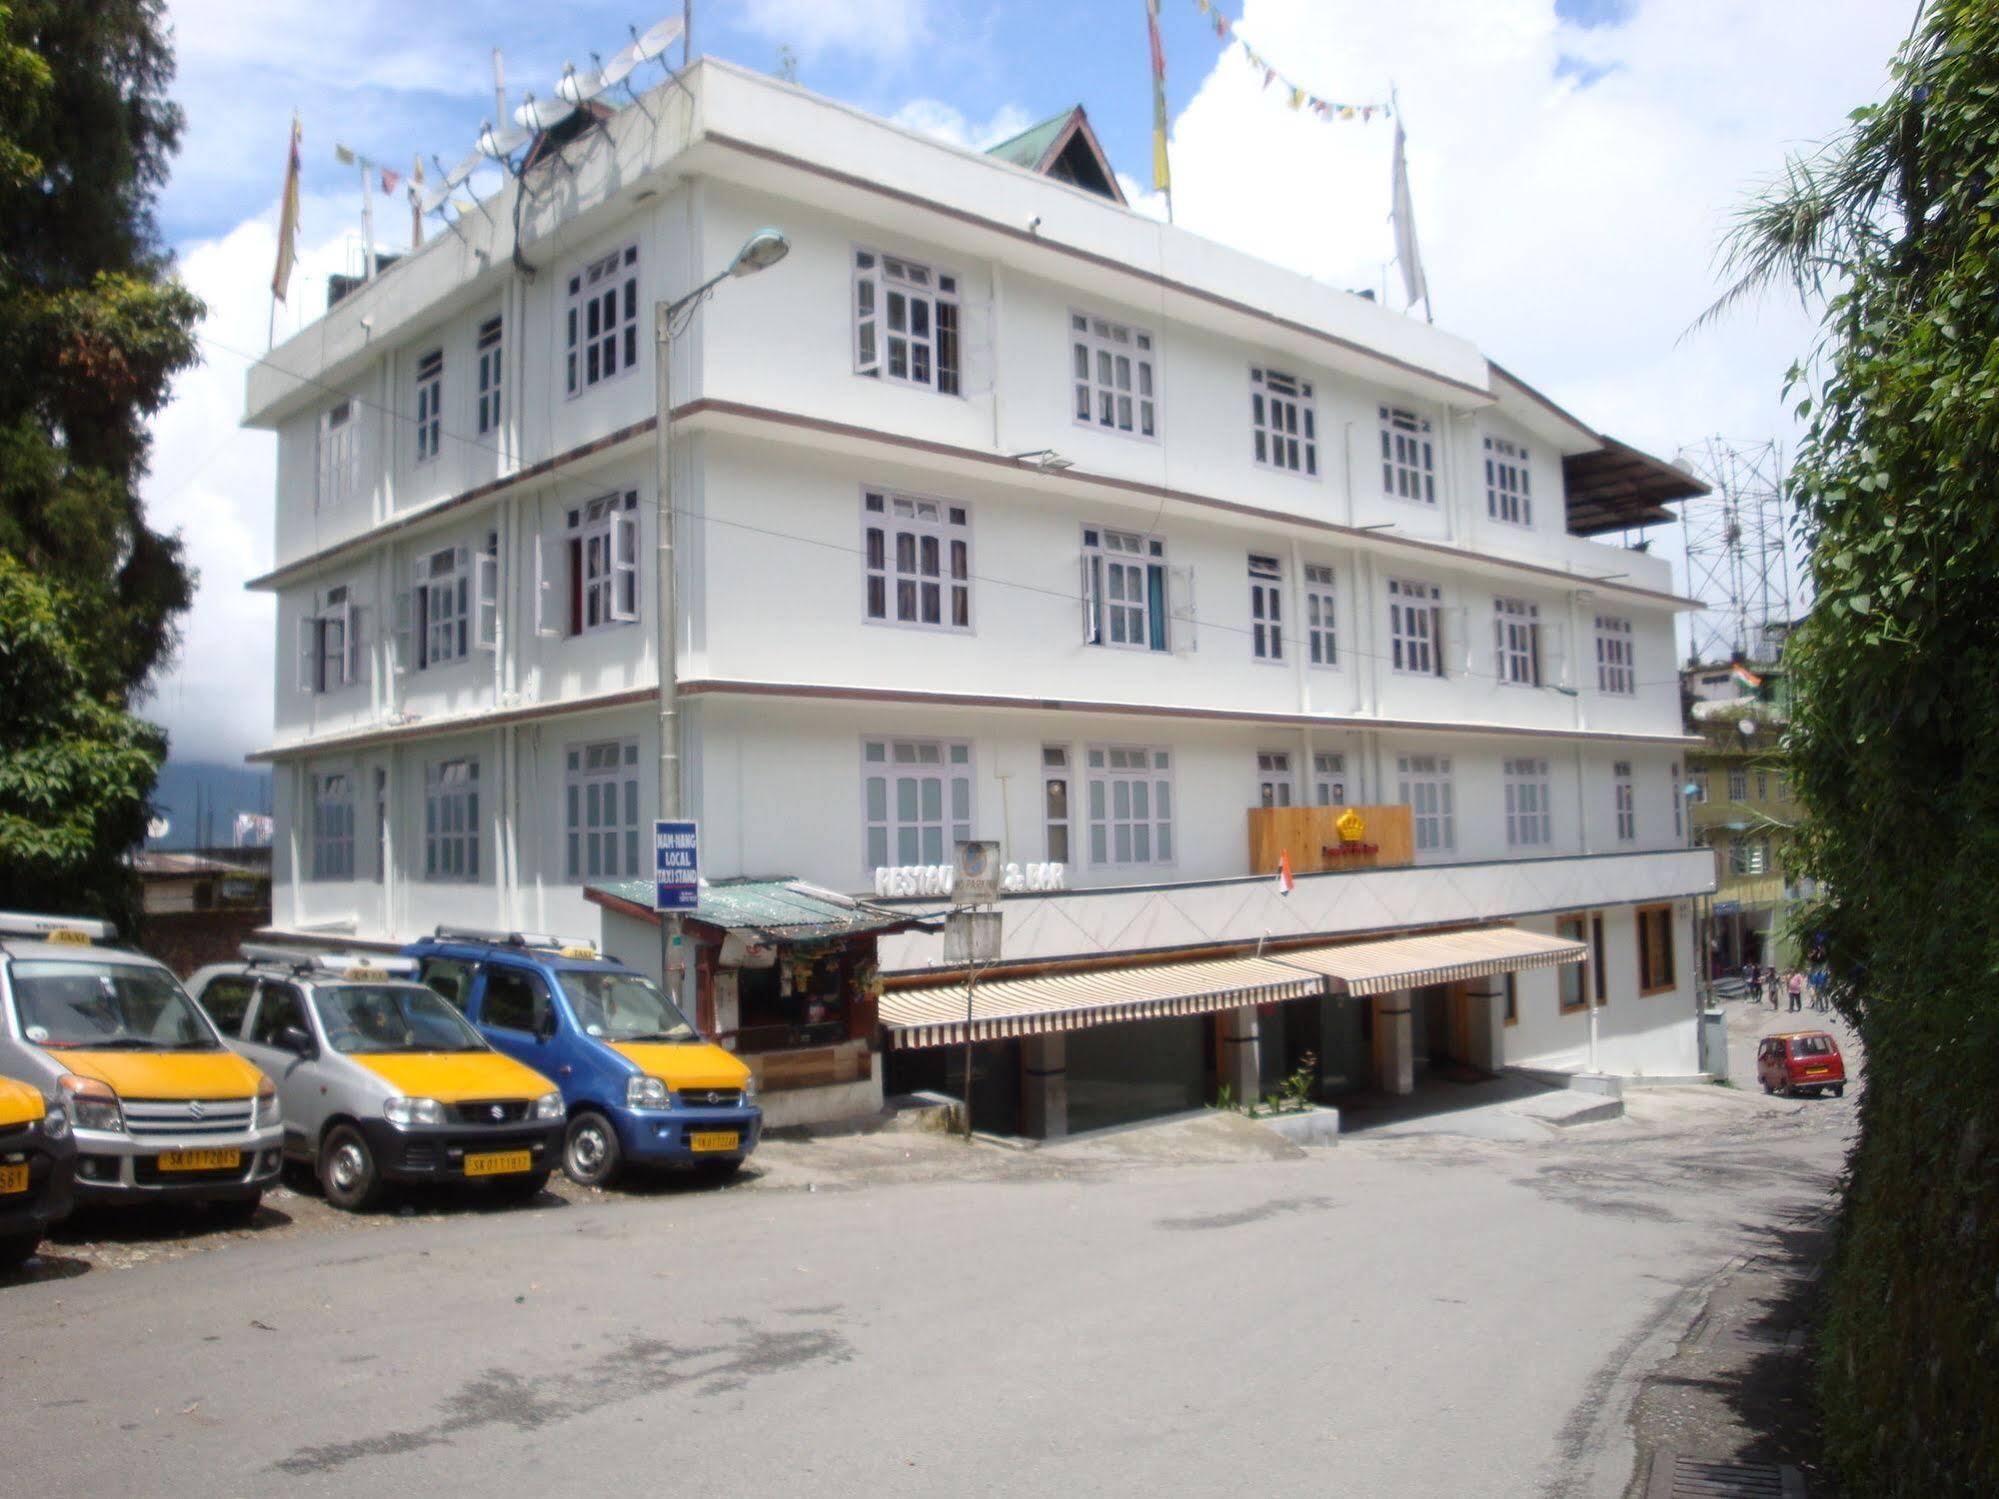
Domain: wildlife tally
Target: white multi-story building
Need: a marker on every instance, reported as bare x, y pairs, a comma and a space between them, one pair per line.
1002, 511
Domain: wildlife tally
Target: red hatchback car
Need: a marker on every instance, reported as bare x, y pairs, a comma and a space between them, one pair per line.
1801, 1062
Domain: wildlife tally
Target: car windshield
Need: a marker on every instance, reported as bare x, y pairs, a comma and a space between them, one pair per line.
1812, 1046
623, 1007
112, 1006
365, 1018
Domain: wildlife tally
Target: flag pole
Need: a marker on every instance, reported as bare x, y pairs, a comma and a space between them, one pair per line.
367, 220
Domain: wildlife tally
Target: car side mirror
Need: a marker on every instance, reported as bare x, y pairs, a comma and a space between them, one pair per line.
544, 1028
293, 1038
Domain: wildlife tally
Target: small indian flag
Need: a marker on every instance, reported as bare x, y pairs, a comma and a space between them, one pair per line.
1745, 676
1284, 880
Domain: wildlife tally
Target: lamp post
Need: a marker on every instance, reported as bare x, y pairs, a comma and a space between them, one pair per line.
760, 251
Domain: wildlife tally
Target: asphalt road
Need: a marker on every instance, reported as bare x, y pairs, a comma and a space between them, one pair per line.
1419, 1316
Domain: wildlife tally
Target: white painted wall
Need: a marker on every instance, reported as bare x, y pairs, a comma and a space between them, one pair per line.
1651, 1035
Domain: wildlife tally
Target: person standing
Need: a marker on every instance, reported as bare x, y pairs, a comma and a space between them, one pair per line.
1797, 988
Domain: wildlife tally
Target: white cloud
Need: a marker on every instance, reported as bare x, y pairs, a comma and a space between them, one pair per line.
887, 29
212, 482
944, 122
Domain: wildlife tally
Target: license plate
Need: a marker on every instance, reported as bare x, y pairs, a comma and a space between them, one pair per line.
13, 1178
1817, 1071
499, 1162
200, 1160
714, 1139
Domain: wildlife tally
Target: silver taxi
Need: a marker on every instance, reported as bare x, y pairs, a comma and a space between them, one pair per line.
381, 1080
160, 1107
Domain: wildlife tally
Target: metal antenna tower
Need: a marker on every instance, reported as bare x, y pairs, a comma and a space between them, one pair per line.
1738, 553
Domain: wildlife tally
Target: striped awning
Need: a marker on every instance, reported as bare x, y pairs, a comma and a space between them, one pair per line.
1004, 1008
1363, 968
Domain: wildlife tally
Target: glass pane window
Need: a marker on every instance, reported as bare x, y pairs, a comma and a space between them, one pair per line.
1529, 823
1130, 794
1124, 589
1408, 456
443, 604
1283, 426
489, 351
1273, 778
1329, 779
1111, 365
1321, 641
600, 813
1424, 786
1415, 614
451, 820
917, 560
1516, 642
429, 404
906, 322
1614, 660
333, 827
1056, 785
1508, 487
603, 548
338, 466
1266, 608
916, 800
601, 321
1624, 792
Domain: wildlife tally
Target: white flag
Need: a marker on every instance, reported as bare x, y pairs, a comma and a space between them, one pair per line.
1404, 215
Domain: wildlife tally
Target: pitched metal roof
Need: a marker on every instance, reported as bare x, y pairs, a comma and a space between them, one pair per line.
1065, 148
1031, 145
785, 910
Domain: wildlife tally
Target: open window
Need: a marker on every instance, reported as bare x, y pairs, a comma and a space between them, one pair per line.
601, 563
1131, 598
329, 643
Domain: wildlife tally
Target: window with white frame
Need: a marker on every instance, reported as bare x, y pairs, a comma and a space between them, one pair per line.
1624, 792
451, 820
1529, 823
452, 607
1762, 785
1748, 855
603, 555
1056, 790
1516, 642
1124, 590
1738, 783
1266, 608
1131, 805
1111, 369
906, 322
1282, 421
329, 643
600, 810
1679, 812
918, 799
333, 826
1424, 787
1273, 778
1415, 623
1508, 489
1329, 779
490, 347
1615, 671
1408, 457
1321, 639
602, 321
338, 460
429, 404
1783, 787
918, 560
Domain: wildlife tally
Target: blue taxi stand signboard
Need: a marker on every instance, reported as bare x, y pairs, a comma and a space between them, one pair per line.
676, 866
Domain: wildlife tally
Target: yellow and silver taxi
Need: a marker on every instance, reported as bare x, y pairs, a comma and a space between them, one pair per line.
381, 1080
37, 1165
159, 1106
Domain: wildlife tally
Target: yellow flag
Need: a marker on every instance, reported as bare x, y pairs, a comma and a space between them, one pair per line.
287, 220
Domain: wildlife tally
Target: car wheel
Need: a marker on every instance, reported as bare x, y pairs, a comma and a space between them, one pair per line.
1839, 1090
17, 1249
347, 1173
236, 1212
521, 1188
591, 1154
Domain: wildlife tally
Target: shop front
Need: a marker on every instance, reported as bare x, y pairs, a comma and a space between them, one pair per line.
782, 973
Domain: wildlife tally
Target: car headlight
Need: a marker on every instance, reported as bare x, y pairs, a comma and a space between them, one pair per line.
749, 1090
646, 1093
407, 1111
55, 1123
548, 1106
92, 1104
267, 1105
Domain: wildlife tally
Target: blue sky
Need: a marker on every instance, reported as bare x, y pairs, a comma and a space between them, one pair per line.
1574, 163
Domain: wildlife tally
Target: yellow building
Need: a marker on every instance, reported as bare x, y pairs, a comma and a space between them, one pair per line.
1742, 805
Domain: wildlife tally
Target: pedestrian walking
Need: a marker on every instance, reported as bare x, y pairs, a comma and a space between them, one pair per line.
1820, 979
1770, 984
1797, 988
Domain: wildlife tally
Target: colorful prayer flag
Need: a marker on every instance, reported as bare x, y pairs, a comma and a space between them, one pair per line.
281, 275
1162, 178
389, 181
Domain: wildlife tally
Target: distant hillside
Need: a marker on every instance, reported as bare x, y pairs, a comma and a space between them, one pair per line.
200, 800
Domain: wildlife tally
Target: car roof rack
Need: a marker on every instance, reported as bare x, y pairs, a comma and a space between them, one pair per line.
318, 960
78, 930
527, 941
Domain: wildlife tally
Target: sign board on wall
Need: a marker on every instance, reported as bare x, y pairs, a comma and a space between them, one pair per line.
676, 866
976, 873
972, 937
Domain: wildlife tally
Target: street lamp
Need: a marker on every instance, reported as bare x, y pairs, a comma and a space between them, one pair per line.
760, 251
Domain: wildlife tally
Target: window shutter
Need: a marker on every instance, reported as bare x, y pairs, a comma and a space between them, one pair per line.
867, 322
1441, 638
487, 602
350, 632
624, 568
308, 652
405, 630
1185, 636
1093, 614
542, 629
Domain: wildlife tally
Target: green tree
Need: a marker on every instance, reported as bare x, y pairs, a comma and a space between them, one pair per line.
95, 326
1894, 229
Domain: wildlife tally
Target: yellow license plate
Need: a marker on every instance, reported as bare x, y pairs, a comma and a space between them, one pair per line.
1817, 1071
200, 1160
714, 1139
499, 1162
13, 1178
